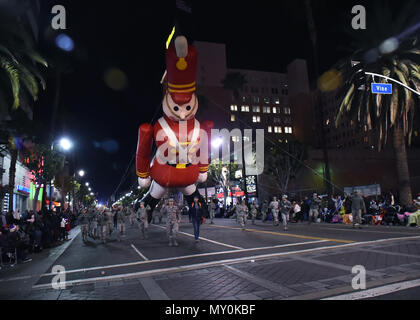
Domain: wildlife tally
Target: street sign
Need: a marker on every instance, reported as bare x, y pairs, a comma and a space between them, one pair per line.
382, 88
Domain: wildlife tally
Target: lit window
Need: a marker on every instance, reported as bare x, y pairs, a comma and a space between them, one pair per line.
245, 108
270, 129
266, 109
233, 107
277, 130
255, 109
274, 109
266, 100
232, 117
256, 119
235, 139
288, 130
243, 99
287, 110
276, 100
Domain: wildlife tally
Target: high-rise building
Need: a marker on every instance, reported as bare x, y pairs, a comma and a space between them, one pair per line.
278, 103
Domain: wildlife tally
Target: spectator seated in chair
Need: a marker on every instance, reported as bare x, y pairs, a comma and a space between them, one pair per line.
16, 241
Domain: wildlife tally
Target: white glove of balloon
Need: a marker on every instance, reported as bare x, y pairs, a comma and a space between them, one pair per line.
144, 182
202, 177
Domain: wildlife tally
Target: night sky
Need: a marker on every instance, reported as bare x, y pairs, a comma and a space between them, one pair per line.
131, 35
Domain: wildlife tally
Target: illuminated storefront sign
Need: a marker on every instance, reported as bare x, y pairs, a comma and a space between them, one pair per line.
23, 189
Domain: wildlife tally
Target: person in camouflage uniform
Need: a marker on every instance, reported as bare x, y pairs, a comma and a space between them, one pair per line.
162, 211
212, 211
109, 220
142, 219
102, 225
274, 206
84, 224
241, 211
173, 218
93, 223
121, 220
264, 210
285, 207
254, 210
132, 216
156, 215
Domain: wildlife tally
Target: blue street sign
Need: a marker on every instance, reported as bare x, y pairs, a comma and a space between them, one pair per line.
382, 88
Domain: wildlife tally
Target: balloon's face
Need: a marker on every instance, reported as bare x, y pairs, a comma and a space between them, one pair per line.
179, 112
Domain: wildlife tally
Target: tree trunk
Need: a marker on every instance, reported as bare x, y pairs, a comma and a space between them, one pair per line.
35, 203
44, 197
12, 175
404, 188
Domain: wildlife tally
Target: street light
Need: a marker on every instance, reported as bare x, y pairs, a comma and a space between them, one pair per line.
87, 184
216, 143
90, 189
66, 144
81, 173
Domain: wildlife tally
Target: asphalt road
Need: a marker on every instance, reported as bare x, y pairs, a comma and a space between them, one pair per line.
263, 262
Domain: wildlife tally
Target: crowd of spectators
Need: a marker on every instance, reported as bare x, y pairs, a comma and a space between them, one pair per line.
31, 232
379, 210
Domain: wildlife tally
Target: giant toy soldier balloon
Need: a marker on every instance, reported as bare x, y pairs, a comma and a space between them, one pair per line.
181, 160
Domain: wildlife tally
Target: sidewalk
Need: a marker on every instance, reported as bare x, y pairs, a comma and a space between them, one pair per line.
17, 282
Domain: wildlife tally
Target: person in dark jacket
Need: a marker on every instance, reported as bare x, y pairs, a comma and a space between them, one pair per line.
196, 213
15, 241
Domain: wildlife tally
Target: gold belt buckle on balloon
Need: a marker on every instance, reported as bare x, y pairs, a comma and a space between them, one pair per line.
181, 166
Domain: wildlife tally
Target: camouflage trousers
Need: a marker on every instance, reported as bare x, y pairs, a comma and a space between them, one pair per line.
264, 216
143, 226
103, 232
172, 229
242, 220
110, 227
85, 230
253, 216
93, 229
275, 216
121, 227
212, 215
132, 219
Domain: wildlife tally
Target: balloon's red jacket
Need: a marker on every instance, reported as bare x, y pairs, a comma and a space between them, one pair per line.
169, 174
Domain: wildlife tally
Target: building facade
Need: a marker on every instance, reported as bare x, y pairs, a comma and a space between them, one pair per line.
273, 102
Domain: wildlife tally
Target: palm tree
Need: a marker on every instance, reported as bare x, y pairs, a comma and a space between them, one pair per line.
393, 114
19, 80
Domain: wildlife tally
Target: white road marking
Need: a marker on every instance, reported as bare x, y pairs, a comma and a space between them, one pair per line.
210, 264
139, 253
375, 292
185, 257
201, 238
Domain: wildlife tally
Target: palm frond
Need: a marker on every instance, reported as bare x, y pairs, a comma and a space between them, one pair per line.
6, 51
344, 104
13, 75
34, 56
29, 81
